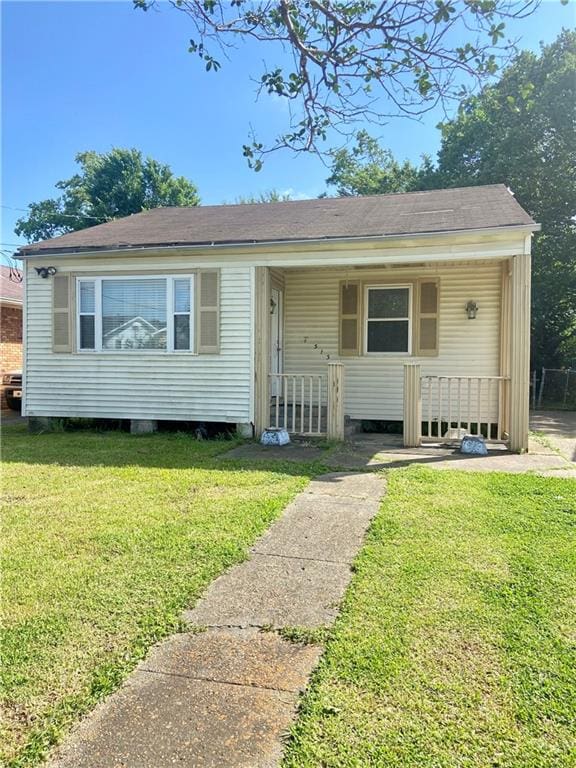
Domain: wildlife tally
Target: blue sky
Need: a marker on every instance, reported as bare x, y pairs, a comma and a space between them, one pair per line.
93, 75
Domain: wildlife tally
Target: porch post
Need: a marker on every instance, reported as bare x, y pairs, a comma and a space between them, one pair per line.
261, 349
335, 401
412, 405
505, 322
520, 352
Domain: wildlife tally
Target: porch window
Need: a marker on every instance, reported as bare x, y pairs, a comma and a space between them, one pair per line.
388, 319
131, 314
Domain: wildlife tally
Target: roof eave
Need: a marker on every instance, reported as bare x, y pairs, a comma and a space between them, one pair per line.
7, 301
95, 250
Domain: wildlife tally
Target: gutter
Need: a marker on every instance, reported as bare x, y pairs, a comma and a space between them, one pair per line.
6, 302
243, 245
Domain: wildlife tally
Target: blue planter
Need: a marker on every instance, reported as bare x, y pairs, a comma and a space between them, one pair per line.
473, 444
275, 436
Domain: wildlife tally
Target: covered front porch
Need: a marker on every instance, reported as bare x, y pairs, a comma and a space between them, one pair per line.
431, 350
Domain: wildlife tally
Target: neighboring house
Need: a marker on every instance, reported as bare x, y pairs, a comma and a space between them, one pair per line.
308, 314
136, 333
11, 295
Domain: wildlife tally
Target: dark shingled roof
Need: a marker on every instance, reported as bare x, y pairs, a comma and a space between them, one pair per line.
11, 285
436, 211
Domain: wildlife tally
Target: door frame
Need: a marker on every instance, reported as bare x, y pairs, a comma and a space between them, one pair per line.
277, 311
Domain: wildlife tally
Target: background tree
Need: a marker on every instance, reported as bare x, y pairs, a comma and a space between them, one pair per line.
353, 61
522, 132
369, 169
108, 186
269, 196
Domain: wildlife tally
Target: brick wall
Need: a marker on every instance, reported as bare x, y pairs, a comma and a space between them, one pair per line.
10, 341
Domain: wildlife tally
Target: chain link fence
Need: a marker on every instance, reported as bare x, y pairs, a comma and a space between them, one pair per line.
553, 388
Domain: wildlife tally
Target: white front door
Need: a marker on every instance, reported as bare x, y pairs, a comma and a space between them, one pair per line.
276, 339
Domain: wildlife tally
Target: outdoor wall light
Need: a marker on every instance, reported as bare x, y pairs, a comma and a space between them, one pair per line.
272, 306
471, 310
46, 271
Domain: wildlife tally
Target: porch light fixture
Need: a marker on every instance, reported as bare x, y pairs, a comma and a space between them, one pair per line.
272, 305
46, 271
471, 310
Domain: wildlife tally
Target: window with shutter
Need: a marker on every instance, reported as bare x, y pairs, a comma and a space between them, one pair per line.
388, 319
208, 311
61, 314
136, 313
349, 318
428, 309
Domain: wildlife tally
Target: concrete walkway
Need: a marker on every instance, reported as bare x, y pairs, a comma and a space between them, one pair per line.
373, 452
227, 696
559, 428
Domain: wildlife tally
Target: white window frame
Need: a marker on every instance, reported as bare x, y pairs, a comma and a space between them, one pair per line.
388, 287
97, 314
98, 349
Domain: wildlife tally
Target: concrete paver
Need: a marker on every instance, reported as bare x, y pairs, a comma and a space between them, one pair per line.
559, 427
272, 591
295, 451
319, 527
494, 462
156, 721
570, 473
225, 697
373, 453
261, 659
347, 485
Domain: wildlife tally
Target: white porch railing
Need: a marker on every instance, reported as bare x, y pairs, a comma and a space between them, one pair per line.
309, 403
298, 403
452, 406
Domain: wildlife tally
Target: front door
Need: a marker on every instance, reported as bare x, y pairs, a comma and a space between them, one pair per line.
276, 340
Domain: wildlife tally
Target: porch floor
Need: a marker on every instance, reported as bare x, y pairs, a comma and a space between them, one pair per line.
384, 451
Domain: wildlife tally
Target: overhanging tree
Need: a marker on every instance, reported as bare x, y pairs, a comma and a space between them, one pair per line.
522, 132
352, 61
108, 186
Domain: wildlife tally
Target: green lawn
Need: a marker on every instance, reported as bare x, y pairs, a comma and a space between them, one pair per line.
455, 648
106, 537
457, 644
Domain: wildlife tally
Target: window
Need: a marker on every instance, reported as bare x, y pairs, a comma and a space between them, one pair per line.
87, 315
427, 317
130, 314
388, 319
134, 314
182, 319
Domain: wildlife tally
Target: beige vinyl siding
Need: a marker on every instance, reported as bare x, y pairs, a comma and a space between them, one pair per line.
374, 384
277, 278
149, 385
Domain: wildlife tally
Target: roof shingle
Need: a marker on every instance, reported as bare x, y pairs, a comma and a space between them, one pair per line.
436, 211
11, 289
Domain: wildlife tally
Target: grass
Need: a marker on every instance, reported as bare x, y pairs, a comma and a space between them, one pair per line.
456, 647
107, 537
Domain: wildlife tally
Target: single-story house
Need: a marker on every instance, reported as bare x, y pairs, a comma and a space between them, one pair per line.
314, 315
11, 299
